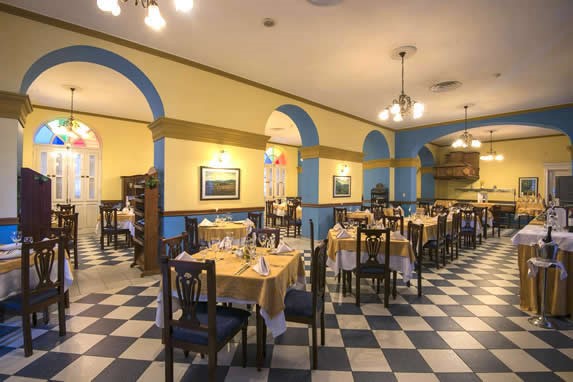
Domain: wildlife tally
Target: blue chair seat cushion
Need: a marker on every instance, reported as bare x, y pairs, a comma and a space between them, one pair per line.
299, 303
432, 244
374, 270
14, 303
467, 229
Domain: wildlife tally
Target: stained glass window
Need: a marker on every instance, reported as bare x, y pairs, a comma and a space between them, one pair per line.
54, 133
274, 155
275, 173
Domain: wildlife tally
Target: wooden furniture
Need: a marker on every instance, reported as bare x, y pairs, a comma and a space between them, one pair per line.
192, 230
66, 209
292, 220
501, 219
372, 268
482, 214
438, 246
45, 293
35, 204
109, 228
339, 215
378, 212
468, 231
203, 327
459, 165
415, 235
379, 195
128, 187
146, 235
270, 215
173, 246
395, 223
453, 236
308, 307
257, 218
273, 234
69, 223
218, 232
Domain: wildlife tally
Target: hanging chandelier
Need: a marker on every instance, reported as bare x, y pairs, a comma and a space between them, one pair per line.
153, 19
403, 105
466, 139
491, 155
70, 126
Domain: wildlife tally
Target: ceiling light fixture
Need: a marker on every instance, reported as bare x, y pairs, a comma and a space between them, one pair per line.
70, 126
403, 105
466, 139
153, 18
491, 155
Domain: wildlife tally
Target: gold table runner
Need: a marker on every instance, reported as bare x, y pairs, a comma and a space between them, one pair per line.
267, 291
218, 232
559, 300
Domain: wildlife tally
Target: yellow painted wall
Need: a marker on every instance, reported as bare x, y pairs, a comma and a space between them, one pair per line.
182, 175
523, 158
327, 168
292, 167
127, 147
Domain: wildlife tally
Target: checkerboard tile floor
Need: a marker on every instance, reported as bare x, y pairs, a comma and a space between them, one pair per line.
91, 254
466, 327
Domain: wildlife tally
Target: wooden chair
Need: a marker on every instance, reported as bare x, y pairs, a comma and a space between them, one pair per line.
378, 212
192, 230
273, 234
482, 213
339, 214
397, 211
362, 221
69, 223
257, 218
395, 223
501, 219
110, 229
372, 268
172, 247
66, 209
270, 215
308, 307
39, 256
203, 327
468, 231
453, 237
415, 236
292, 220
438, 246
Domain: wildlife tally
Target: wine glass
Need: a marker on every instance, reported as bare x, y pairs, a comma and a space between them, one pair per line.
16, 236
263, 239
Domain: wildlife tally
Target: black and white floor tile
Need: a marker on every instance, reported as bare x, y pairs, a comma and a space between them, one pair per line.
90, 253
467, 326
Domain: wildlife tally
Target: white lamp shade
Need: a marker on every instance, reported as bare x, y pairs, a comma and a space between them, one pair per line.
154, 19
384, 114
116, 10
398, 117
395, 108
499, 157
475, 143
183, 5
418, 107
107, 5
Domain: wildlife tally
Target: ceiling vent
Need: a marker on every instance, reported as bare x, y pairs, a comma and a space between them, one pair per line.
446, 86
325, 3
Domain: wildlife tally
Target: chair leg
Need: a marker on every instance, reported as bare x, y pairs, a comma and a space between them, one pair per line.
314, 346
46, 315
27, 334
244, 340
437, 259
186, 353
76, 262
101, 241
322, 331
115, 240
168, 363
357, 290
67, 299
349, 281
62, 317
212, 365
34, 319
394, 274
419, 271
264, 339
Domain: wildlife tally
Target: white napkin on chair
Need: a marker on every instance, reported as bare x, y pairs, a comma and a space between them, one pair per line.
261, 267
10, 247
206, 223
337, 227
283, 248
343, 234
184, 256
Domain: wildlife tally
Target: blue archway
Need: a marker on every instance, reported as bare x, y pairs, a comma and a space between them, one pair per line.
91, 54
375, 147
428, 184
303, 122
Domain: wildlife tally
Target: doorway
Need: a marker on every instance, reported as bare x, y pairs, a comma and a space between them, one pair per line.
72, 160
552, 171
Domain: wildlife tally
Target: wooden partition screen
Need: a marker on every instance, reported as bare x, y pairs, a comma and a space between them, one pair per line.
35, 204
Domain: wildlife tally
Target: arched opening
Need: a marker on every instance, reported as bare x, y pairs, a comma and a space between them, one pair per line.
375, 148
426, 174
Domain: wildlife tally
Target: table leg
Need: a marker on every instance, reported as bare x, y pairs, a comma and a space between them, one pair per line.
541, 320
259, 330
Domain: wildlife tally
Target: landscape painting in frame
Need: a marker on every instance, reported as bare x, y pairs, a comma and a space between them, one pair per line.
528, 186
220, 183
341, 186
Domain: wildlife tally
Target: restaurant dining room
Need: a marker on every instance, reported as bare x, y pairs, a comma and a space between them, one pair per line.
317, 190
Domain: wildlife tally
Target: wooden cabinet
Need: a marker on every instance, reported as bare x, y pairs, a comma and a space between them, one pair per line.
459, 165
145, 203
128, 189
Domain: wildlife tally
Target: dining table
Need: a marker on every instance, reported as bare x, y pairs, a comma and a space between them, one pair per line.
361, 215
342, 253
125, 220
10, 272
218, 230
559, 301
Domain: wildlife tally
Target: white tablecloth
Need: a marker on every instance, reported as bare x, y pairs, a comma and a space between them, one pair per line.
530, 235
10, 282
346, 260
126, 224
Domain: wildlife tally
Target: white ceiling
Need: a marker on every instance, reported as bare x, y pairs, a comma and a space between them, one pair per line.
282, 129
499, 133
340, 56
99, 90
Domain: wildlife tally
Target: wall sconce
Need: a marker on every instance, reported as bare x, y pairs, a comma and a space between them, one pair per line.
343, 169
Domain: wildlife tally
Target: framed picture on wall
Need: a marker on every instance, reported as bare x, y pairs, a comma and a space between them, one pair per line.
340, 186
528, 186
220, 183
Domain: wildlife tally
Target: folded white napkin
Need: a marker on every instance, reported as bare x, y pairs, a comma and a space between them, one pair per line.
342, 234
9, 247
261, 267
206, 223
12, 254
125, 210
283, 247
367, 211
184, 256
337, 227
534, 263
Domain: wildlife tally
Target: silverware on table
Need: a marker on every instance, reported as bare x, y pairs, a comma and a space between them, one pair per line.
242, 269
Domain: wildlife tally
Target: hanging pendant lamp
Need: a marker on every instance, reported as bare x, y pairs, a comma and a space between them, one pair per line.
466, 139
491, 154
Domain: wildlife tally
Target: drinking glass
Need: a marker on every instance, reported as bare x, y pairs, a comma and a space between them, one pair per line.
16, 236
263, 240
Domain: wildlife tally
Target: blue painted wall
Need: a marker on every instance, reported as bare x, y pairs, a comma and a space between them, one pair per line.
373, 176
428, 182
91, 54
375, 147
5, 231
174, 225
